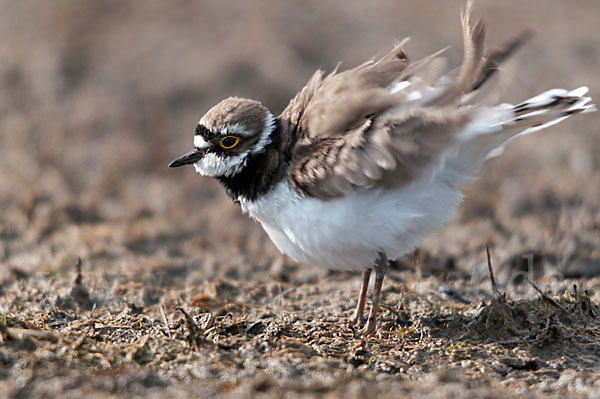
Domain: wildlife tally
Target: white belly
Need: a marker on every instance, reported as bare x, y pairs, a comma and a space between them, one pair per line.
346, 233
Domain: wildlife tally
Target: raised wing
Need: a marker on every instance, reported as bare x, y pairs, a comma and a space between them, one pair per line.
383, 123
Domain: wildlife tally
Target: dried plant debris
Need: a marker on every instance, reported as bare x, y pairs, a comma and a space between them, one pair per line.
235, 340
177, 294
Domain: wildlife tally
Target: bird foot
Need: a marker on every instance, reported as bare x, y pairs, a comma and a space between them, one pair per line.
369, 329
356, 321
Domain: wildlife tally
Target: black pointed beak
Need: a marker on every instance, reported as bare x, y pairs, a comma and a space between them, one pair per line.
189, 158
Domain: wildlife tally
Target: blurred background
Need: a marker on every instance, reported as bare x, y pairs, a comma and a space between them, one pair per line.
97, 97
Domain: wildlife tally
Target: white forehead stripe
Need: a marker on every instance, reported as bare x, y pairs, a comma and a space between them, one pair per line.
236, 129
199, 142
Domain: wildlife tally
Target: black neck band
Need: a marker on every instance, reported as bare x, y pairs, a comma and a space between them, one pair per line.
261, 173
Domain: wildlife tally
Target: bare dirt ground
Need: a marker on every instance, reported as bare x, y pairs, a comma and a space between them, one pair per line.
181, 295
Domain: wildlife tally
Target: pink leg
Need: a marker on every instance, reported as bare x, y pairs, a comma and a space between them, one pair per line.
381, 265
359, 312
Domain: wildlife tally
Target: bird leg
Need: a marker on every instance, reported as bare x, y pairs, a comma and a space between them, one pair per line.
381, 265
359, 312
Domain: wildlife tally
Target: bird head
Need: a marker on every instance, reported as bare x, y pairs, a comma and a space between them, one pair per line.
227, 136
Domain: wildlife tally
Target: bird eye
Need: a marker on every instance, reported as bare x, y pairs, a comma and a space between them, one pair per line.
228, 142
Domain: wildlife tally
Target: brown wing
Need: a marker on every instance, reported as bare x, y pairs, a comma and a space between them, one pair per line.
329, 105
350, 130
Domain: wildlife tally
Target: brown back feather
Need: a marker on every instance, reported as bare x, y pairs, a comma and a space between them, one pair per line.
347, 130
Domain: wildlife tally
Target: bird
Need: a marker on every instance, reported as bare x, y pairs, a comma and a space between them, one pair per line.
364, 163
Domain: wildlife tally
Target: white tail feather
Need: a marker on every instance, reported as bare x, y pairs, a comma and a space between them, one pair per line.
491, 128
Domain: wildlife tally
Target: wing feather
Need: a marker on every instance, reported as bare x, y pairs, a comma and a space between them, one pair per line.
352, 129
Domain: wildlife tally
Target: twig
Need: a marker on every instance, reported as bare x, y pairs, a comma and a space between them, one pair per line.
536, 335
165, 320
546, 329
79, 277
491, 272
546, 297
195, 337
79, 294
3, 332
22, 333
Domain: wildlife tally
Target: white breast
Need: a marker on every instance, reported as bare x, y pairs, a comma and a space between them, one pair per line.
346, 233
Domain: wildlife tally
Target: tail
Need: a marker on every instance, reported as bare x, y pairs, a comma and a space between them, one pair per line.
550, 108
491, 128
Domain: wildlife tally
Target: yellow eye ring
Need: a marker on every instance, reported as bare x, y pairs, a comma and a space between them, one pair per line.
228, 142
